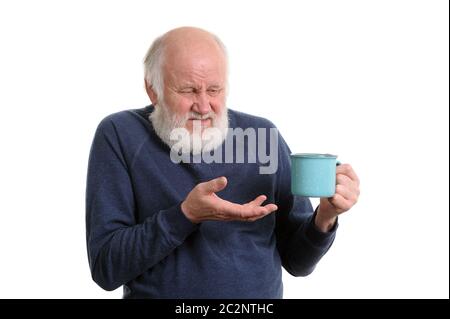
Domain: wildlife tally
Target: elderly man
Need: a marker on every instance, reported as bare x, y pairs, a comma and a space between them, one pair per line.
194, 229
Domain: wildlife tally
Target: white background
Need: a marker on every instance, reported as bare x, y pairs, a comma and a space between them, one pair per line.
367, 80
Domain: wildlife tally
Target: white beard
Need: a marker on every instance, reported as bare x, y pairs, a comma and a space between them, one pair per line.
200, 140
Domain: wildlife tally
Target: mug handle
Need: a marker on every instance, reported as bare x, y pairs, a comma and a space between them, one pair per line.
338, 163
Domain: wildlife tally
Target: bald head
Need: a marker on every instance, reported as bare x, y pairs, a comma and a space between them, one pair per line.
191, 39
185, 49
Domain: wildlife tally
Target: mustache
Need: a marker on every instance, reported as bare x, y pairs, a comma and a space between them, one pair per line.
198, 116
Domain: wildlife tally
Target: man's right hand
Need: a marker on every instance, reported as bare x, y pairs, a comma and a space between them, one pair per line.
203, 204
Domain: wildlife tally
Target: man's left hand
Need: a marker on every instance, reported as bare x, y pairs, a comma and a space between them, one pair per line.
347, 194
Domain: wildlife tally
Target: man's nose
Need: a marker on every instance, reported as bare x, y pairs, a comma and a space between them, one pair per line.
201, 103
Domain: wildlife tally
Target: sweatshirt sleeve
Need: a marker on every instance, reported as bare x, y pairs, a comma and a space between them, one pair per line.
120, 249
300, 244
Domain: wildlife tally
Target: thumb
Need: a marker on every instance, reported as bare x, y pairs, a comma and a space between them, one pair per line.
215, 185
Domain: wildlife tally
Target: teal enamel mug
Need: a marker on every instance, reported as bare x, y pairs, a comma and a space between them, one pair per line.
313, 175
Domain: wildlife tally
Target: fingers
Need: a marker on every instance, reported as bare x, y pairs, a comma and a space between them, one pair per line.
259, 200
347, 193
347, 184
214, 185
271, 208
247, 212
347, 170
203, 204
345, 181
341, 203
260, 213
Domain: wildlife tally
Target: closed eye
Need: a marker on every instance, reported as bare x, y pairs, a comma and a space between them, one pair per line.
214, 91
186, 90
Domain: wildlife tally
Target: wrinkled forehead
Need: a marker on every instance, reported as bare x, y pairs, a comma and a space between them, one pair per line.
201, 61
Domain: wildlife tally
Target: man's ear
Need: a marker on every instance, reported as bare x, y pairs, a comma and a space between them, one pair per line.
151, 93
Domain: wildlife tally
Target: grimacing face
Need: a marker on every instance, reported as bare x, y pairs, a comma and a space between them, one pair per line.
195, 83
194, 80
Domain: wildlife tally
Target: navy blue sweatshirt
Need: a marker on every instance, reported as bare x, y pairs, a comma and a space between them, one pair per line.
138, 237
